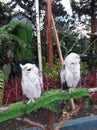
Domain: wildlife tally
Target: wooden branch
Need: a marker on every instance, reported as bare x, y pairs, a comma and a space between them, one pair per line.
72, 47
51, 120
32, 123
65, 117
5, 108
68, 115
72, 103
62, 122
57, 42
91, 43
18, 109
63, 45
91, 90
72, 113
47, 98
92, 34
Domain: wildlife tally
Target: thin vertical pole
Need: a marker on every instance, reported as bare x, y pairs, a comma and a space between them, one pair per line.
39, 39
57, 42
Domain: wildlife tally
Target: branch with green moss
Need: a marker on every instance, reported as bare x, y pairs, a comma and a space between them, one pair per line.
46, 100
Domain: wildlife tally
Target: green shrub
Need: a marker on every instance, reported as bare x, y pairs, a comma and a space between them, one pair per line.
54, 72
84, 67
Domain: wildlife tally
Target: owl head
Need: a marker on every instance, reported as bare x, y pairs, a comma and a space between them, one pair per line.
72, 58
28, 69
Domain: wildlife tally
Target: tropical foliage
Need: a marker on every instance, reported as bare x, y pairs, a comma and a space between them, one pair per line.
11, 39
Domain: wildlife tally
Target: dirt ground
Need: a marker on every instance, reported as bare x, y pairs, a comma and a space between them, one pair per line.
89, 108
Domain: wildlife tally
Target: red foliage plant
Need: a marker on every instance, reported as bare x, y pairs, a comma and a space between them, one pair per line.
90, 81
13, 89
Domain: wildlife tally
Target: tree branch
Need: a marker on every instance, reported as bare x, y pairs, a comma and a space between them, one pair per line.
89, 47
91, 90
32, 123
67, 115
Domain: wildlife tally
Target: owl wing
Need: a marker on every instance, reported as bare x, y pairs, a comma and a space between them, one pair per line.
35, 85
66, 77
72, 75
62, 74
37, 73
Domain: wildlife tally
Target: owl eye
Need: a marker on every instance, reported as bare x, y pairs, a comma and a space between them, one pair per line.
29, 69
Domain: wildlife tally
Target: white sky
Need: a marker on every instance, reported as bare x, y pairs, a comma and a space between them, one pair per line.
4, 1
66, 3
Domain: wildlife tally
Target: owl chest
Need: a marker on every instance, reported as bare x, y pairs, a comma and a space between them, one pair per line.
25, 82
73, 71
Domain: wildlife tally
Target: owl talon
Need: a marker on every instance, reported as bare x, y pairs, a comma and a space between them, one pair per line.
71, 89
30, 101
62, 90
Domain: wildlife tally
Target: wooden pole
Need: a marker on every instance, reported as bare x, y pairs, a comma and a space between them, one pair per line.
49, 43
49, 33
51, 119
39, 38
57, 42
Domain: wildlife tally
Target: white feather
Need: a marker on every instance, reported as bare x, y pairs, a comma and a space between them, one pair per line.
31, 81
70, 71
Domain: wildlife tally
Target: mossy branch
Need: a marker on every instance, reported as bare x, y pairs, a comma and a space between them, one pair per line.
46, 100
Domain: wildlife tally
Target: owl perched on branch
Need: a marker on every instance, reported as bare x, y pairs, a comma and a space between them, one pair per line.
70, 71
31, 81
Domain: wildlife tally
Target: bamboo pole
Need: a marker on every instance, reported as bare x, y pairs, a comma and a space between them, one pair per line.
39, 39
57, 42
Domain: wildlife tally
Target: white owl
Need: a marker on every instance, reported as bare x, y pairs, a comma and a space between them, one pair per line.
70, 71
31, 81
